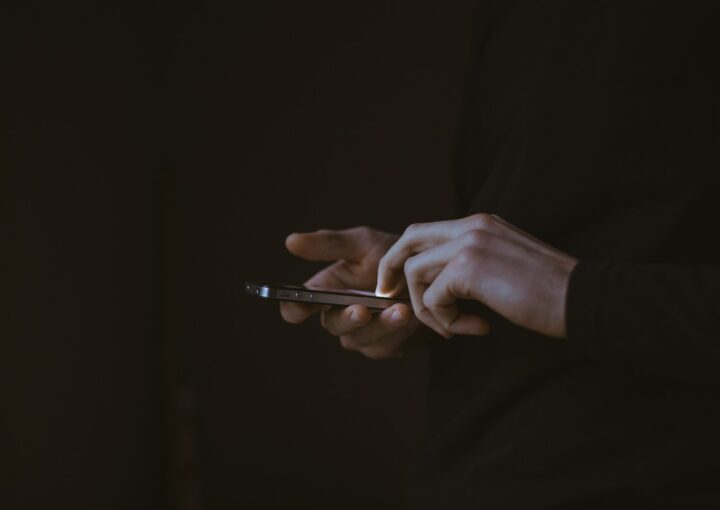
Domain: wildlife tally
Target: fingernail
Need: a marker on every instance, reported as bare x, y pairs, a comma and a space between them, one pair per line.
355, 317
381, 292
299, 317
397, 317
289, 238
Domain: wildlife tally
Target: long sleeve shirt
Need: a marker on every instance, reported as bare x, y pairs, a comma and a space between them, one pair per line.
595, 127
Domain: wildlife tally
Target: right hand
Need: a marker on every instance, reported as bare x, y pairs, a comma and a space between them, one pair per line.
355, 254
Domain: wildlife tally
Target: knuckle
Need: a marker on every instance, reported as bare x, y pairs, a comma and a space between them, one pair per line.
362, 231
477, 237
467, 256
412, 228
424, 313
331, 236
482, 221
411, 266
348, 343
340, 266
450, 327
430, 301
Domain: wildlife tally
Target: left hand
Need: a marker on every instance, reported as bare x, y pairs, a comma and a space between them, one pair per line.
483, 258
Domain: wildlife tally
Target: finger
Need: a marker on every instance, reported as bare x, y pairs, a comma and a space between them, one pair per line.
393, 345
422, 313
414, 239
335, 276
422, 269
440, 300
342, 321
418, 238
330, 277
418, 281
296, 313
387, 323
426, 266
329, 245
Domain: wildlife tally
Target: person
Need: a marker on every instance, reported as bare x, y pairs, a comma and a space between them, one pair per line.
586, 373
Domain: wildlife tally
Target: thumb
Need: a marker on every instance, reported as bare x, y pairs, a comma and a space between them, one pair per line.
327, 245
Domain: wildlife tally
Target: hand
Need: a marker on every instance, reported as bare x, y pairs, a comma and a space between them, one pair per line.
482, 258
355, 254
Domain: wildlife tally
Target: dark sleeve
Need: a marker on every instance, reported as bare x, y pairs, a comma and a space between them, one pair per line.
662, 318
468, 171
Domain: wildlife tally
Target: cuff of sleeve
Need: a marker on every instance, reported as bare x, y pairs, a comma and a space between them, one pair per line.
583, 307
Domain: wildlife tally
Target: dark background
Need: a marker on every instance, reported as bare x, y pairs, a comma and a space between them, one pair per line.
153, 155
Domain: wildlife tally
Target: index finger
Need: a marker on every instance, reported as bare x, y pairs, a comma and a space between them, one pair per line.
415, 239
420, 237
390, 268
328, 245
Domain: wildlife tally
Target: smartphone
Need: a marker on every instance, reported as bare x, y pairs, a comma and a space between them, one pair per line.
321, 296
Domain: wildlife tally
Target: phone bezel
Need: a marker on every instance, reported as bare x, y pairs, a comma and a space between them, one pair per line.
318, 296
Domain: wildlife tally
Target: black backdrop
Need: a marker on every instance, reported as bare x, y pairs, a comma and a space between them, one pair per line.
153, 155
